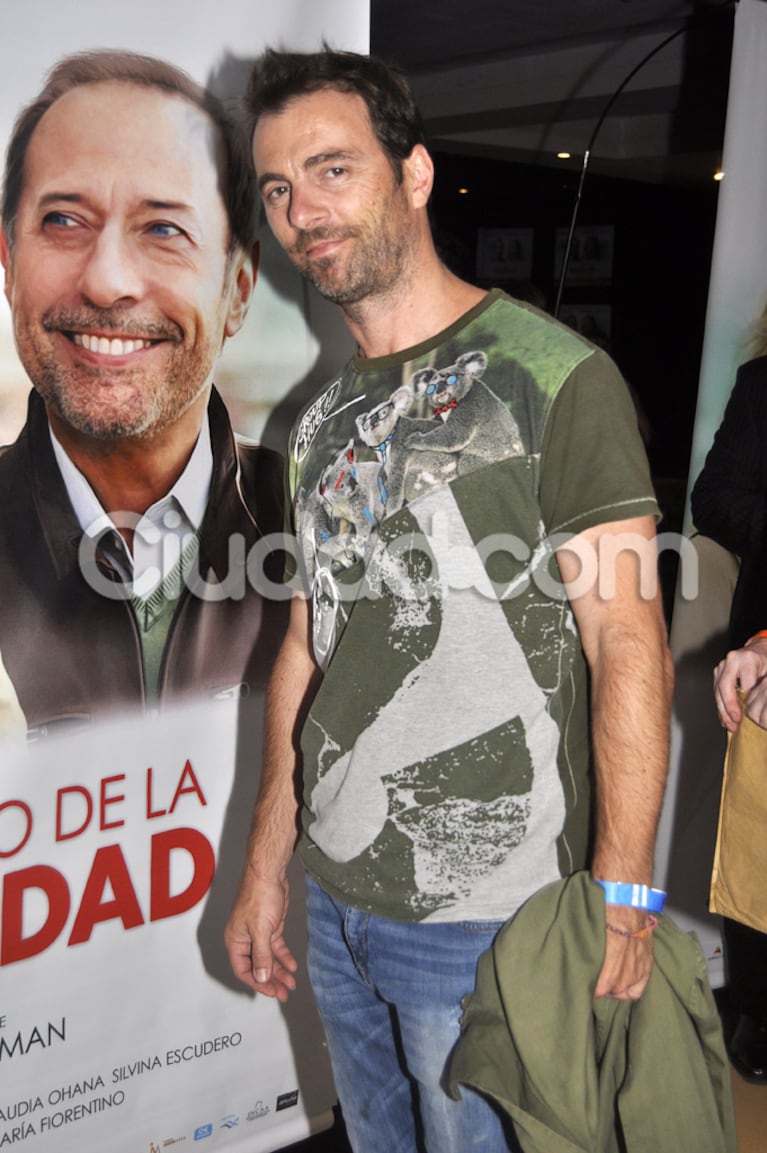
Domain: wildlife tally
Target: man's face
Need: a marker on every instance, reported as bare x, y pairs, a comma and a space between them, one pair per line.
331, 196
118, 279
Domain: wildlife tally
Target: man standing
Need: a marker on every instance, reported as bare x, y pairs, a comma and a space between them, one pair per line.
127, 243
470, 500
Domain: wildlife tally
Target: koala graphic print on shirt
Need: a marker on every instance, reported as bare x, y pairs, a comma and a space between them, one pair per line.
446, 752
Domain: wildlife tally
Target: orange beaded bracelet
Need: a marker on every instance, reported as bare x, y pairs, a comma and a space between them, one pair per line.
640, 933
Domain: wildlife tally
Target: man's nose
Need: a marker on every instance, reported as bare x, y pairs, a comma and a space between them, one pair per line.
111, 272
307, 207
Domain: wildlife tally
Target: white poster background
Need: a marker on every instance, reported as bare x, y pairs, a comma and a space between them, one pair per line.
96, 1021
737, 294
136, 1036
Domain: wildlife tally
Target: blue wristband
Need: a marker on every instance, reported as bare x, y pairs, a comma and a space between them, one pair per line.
636, 896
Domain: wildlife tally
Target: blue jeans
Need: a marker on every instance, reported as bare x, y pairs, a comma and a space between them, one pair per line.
389, 994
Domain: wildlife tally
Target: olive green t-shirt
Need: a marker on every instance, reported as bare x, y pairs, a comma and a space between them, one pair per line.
446, 753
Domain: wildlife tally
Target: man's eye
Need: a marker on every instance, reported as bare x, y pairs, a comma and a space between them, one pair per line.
163, 229
272, 195
336, 170
60, 220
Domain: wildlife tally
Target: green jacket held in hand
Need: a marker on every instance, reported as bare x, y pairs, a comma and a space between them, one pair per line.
579, 1075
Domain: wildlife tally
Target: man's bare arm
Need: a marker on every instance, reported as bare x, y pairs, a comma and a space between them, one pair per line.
624, 640
258, 952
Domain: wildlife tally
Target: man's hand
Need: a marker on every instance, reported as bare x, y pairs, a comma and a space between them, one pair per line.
744, 669
628, 960
254, 937
258, 952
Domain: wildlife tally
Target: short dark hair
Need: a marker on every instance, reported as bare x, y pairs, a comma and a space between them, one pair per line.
237, 185
279, 77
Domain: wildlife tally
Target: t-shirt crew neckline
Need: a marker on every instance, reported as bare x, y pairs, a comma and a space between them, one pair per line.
376, 363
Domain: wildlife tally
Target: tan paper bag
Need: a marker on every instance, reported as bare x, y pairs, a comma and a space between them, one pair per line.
739, 877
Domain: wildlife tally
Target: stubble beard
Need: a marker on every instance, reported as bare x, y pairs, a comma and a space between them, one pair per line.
126, 403
119, 410
372, 270
376, 264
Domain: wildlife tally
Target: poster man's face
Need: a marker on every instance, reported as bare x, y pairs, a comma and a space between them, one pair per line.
119, 281
331, 196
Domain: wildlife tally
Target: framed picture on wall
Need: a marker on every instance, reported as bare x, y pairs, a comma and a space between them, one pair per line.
504, 253
591, 254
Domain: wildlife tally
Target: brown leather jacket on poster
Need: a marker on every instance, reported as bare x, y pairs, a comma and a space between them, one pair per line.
74, 654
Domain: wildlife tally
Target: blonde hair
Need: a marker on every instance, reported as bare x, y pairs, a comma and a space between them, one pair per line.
757, 342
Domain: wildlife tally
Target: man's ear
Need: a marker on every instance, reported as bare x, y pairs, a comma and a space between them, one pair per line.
418, 169
7, 263
243, 281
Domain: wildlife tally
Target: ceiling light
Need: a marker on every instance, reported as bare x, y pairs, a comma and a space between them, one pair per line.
563, 156
462, 191
719, 174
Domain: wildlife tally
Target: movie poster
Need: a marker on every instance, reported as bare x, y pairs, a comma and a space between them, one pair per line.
121, 842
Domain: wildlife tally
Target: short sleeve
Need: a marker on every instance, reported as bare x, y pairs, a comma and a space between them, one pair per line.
594, 468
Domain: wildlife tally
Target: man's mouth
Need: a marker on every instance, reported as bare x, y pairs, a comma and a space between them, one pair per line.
314, 245
321, 249
109, 346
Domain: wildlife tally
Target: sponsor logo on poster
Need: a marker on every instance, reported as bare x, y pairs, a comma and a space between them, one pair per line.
202, 1131
287, 1100
258, 1110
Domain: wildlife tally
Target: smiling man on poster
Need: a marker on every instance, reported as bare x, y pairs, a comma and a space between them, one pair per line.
127, 243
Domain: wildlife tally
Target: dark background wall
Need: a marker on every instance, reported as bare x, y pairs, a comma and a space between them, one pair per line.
657, 294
